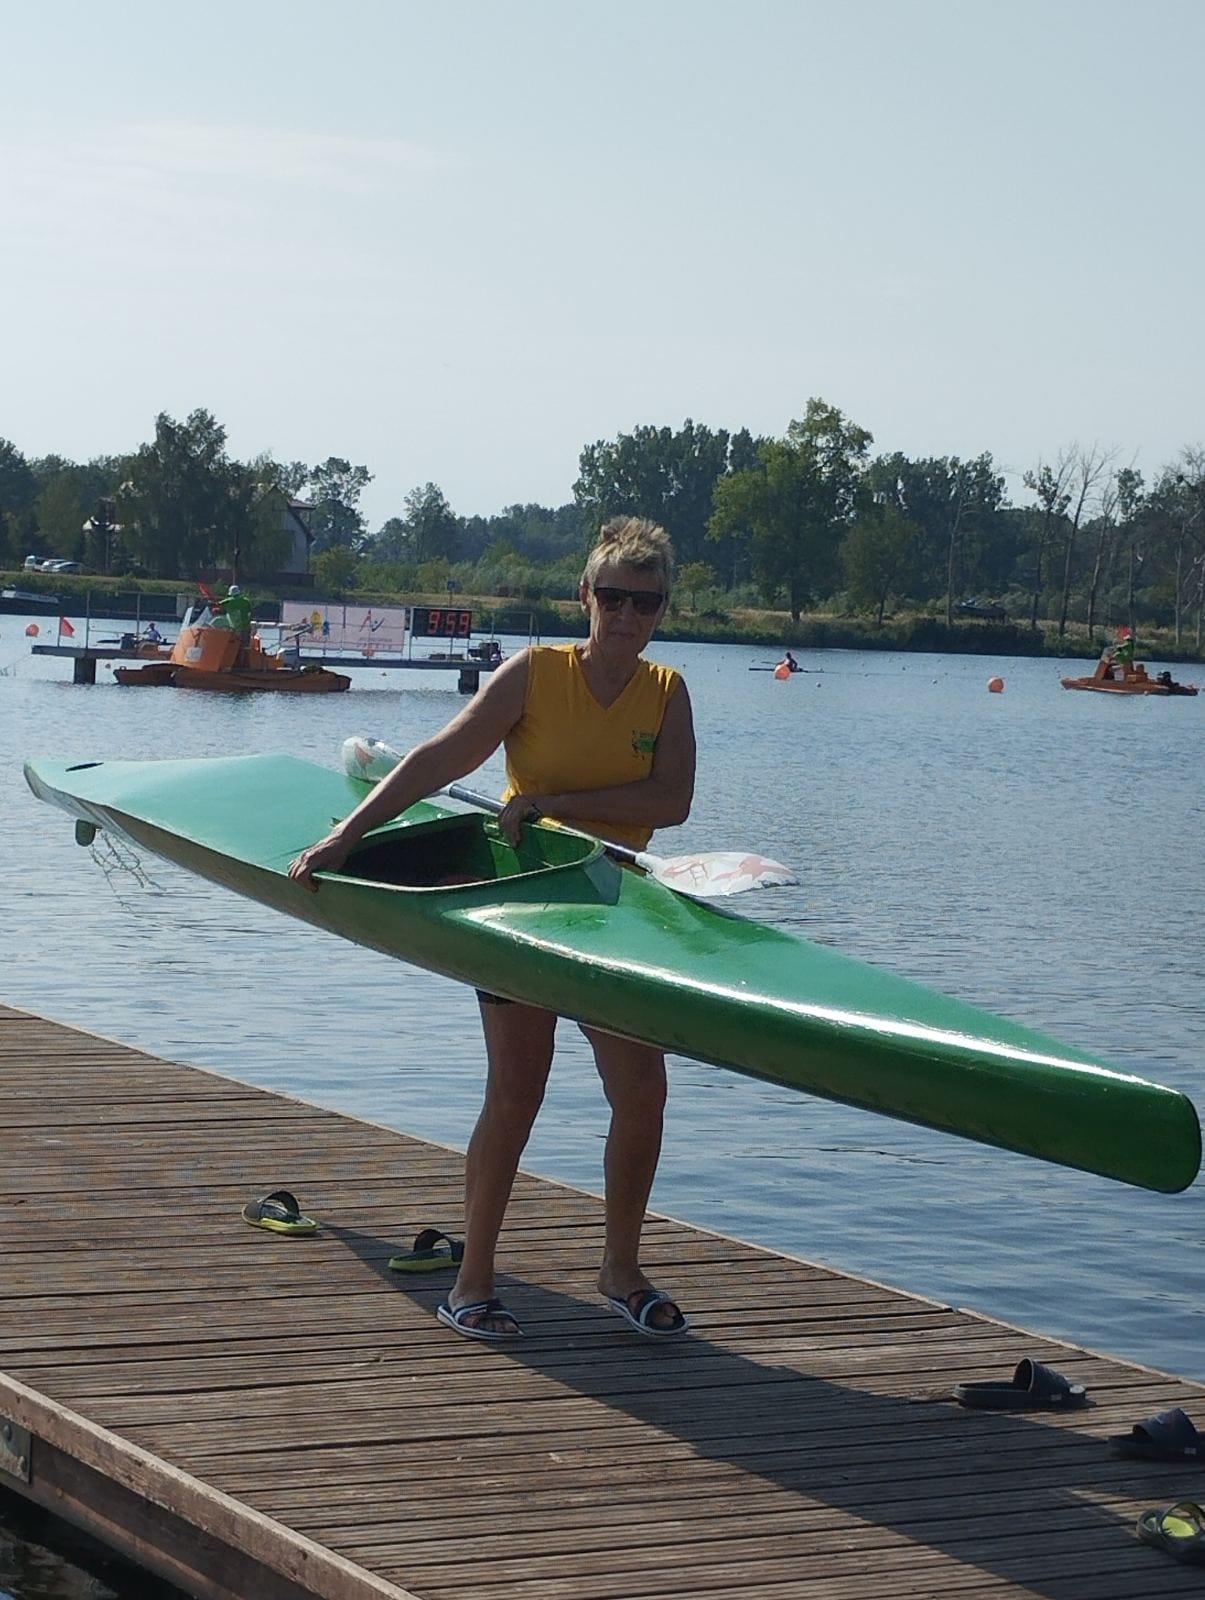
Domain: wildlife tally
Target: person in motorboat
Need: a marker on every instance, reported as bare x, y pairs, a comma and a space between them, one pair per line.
151, 634
234, 612
597, 736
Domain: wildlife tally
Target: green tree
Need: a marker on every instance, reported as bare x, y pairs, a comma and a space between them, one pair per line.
433, 574
67, 494
335, 489
18, 491
183, 502
692, 577
335, 569
879, 556
432, 527
390, 542
794, 507
659, 473
962, 542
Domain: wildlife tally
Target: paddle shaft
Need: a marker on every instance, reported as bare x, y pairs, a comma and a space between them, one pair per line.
486, 802
710, 875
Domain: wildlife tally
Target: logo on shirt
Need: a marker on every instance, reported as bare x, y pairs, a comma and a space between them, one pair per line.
644, 744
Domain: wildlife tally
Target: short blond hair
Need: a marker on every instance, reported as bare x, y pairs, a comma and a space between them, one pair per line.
632, 542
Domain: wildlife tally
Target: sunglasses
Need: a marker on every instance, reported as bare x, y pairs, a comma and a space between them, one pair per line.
645, 602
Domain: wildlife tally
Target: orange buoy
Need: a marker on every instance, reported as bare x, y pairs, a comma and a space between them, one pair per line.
31, 632
996, 685
782, 670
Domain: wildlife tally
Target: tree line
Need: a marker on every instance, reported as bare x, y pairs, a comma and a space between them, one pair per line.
809, 521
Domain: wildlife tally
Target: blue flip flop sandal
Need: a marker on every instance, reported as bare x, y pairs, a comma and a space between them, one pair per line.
431, 1251
1033, 1388
279, 1213
1169, 1436
1180, 1531
640, 1315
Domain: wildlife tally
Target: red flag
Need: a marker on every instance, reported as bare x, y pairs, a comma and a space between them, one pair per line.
65, 627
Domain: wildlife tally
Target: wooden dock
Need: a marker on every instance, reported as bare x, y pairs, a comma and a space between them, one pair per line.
264, 1418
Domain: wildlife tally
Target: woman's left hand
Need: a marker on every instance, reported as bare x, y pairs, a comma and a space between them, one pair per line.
519, 809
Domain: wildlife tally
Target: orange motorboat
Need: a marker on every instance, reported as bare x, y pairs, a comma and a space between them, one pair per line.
1128, 677
216, 658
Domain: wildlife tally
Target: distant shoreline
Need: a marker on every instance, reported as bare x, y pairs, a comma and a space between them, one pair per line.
913, 632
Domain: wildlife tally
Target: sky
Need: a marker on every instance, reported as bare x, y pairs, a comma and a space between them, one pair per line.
459, 242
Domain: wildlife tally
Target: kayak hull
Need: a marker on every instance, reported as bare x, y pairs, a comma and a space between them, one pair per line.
557, 923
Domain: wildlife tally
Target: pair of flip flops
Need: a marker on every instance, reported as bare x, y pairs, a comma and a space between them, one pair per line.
432, 1250
279, 1212
1033, 1388
1168, 1436
1179, 1530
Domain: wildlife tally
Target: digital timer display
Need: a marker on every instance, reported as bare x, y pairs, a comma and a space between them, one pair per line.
440, 622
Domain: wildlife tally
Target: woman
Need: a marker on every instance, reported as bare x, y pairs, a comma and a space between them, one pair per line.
597, 737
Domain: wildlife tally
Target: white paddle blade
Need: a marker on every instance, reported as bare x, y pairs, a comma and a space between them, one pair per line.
368, 758
718, 873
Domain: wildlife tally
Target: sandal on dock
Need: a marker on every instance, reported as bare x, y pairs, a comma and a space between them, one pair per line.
431, 1251
279, 1213
457, 1318
1180, 1530
1033, 1388
639, 1307
1169, 1436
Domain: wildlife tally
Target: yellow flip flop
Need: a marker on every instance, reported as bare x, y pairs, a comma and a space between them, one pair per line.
1180, 1530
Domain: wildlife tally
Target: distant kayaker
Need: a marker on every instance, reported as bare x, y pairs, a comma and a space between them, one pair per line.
789, 662
595, 736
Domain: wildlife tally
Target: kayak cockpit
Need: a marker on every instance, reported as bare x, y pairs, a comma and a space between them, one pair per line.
460, 850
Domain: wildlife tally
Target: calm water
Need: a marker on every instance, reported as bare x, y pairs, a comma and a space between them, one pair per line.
1036, 852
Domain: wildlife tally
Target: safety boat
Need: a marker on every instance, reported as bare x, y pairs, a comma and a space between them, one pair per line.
1128, 677
205, 656
558, 921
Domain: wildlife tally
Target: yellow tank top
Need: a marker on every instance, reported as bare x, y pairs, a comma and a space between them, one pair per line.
565, 741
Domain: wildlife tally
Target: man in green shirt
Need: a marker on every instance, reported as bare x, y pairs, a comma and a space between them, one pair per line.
235, 610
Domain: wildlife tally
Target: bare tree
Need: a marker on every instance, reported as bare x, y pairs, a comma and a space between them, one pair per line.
1050, 484
1085, 471
1106, 544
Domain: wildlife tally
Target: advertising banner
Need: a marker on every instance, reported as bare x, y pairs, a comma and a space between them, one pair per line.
345, 629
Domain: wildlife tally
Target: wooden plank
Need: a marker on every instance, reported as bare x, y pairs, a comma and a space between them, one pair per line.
283, 1418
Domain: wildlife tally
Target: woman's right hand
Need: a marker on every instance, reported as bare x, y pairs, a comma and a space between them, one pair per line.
327, 855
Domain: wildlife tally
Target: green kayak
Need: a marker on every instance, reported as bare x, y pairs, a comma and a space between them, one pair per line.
558, 923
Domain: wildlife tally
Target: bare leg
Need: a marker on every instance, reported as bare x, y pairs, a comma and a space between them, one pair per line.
519, 1043
633, 1077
